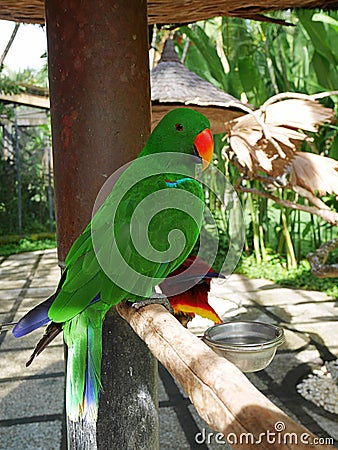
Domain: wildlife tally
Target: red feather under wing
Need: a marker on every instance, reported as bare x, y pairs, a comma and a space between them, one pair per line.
195, 301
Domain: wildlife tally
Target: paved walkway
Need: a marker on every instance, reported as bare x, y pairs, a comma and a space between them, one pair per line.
31, 399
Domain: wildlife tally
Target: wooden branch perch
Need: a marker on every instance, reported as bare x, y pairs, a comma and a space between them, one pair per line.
318, 258
221, 393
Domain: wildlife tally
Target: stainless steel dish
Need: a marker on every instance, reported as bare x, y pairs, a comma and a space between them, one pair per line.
251, 346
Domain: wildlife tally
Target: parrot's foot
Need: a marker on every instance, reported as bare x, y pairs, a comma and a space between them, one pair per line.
155, 299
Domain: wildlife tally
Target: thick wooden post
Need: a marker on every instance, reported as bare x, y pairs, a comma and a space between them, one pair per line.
100, 108
128, 413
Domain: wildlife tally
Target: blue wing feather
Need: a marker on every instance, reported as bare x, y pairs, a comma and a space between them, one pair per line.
35, 318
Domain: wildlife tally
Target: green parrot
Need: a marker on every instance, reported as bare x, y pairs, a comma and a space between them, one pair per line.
127, 249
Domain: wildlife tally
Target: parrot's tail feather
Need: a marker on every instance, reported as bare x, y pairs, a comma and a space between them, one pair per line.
35, 318
53, 330
93, 383
83, 336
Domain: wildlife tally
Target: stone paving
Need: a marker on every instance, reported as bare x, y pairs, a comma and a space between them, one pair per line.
31, 399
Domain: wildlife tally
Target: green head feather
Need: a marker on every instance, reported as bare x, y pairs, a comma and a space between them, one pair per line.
176, 132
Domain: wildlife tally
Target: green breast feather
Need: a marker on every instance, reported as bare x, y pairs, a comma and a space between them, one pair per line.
95, 263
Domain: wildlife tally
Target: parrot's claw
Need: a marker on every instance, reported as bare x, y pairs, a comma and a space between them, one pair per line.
155, 299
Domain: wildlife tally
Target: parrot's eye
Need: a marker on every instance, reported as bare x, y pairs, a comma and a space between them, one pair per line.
179, 127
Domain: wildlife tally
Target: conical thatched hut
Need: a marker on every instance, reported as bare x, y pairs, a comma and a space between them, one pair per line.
173, 85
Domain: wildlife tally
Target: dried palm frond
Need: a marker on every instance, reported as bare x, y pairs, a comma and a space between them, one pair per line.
284, 122
298, 113
315, 173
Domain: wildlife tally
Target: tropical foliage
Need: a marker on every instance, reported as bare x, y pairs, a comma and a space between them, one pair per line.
260, 59
25, 184
25, 164
254, 61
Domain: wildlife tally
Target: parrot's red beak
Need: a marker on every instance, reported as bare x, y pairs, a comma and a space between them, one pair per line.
204, 144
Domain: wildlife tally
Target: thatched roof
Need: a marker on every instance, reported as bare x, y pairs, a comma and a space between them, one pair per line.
173, 85
174, 11
172, 82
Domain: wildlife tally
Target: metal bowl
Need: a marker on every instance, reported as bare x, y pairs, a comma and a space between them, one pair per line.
251, 346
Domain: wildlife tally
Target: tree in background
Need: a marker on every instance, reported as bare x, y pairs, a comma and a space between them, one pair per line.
25, 163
